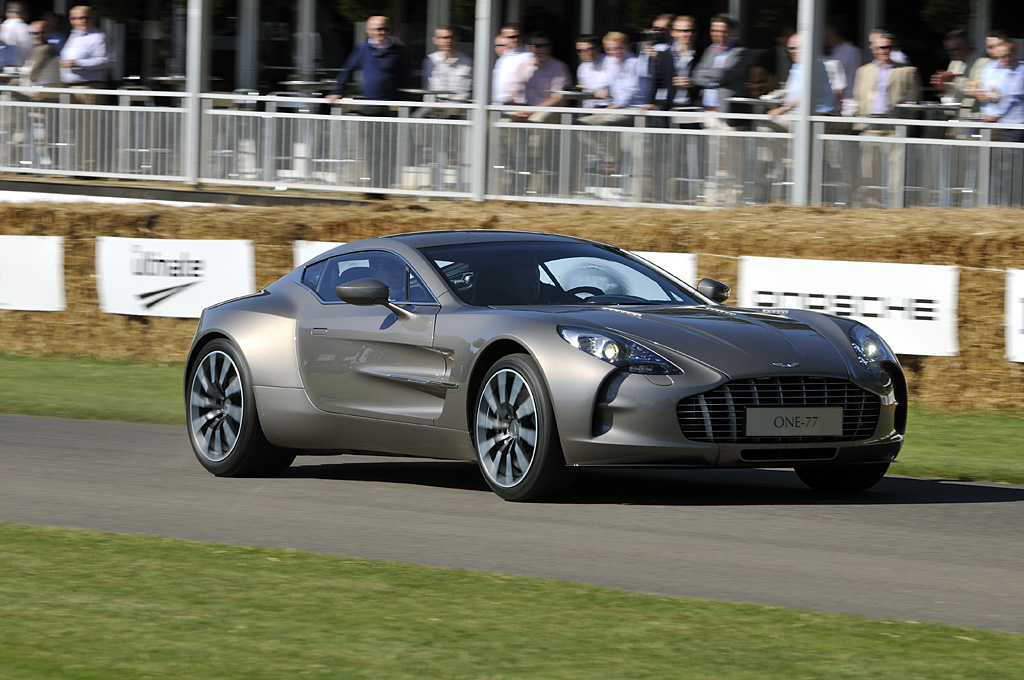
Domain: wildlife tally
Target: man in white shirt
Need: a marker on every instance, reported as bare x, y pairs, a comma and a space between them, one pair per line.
84, 60
85, 65
447, 73
14, 34
623, 83
590, 75
505, 69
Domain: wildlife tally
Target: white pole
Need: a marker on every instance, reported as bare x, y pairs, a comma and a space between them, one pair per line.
193, 85
809, 25
481, 95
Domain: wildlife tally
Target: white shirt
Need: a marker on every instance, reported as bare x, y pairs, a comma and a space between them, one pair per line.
591, 77
89, 50
453, 75
14, 34
991, 80
505, 70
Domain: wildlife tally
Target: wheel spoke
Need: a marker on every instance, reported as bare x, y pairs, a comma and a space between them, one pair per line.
516, 390
525, 410
522, 457
510, 473
528, 435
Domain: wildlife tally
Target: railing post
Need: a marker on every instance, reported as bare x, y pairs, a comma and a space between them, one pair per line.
984, 168
899, 182
564, 140
817, 162
637, 163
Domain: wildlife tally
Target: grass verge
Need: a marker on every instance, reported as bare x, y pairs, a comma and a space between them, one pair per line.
982, 446
84, 604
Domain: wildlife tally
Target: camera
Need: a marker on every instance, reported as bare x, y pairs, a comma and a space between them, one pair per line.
655, 36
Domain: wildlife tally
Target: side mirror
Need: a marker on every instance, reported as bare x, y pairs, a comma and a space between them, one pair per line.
719, 292
363, 292
367, 292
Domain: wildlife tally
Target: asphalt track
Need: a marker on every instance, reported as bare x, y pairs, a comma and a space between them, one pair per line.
912, 549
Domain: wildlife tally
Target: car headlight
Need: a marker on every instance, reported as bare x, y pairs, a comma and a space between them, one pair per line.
871, 350
618, 351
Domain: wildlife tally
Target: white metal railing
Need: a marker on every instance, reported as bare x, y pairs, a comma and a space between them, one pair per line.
425, 149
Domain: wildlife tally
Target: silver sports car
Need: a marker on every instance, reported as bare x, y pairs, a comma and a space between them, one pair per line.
534, 355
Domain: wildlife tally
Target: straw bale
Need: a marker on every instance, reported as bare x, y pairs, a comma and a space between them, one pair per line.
984, 243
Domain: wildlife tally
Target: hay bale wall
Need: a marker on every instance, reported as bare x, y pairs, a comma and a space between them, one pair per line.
983, 243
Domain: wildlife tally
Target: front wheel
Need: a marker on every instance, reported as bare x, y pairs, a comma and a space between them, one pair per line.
515, 435
858, 477
223, 426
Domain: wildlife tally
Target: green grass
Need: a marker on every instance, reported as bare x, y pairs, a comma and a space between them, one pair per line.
92, 389
983, 446
83, 604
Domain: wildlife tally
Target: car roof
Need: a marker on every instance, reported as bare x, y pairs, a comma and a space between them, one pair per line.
426, 239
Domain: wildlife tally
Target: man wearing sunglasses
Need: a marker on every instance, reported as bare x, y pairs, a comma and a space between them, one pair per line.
590, 75
879, 88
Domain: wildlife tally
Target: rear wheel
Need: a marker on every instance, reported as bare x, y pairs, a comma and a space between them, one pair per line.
223, 425
842, 477
515, 435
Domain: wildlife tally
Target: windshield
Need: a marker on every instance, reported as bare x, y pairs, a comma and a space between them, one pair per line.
542, 273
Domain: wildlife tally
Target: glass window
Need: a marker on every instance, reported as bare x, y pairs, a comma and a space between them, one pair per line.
517, 273
403, 284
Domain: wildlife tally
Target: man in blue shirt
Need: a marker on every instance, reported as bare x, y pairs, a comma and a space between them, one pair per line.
1008, 99
384, 63
1007, 102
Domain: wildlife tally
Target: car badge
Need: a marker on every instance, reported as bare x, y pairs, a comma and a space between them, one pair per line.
786, 364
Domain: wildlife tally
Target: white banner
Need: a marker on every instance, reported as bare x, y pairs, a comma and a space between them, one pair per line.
1015, 315
683, 266
169, 277
912, 306
304, 251
32, 273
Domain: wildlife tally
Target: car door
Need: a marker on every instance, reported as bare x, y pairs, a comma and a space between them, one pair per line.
369, 360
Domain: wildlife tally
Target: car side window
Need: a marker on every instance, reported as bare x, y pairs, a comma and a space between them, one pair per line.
404, 285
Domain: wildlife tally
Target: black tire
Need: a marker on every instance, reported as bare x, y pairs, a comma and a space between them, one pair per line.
223, 426
515, 435
856, 477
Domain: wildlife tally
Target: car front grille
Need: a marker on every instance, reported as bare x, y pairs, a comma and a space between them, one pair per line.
719, 416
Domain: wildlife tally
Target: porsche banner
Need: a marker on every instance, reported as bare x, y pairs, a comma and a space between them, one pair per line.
32, 273
912, 306
168, 277
1015, 315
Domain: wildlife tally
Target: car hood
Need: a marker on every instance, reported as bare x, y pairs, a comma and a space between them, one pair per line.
736, 342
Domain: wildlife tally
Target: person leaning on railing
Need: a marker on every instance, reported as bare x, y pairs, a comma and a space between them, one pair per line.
1009, 97
384, 63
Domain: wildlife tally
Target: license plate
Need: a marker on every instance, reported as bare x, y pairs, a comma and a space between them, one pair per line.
825, 421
